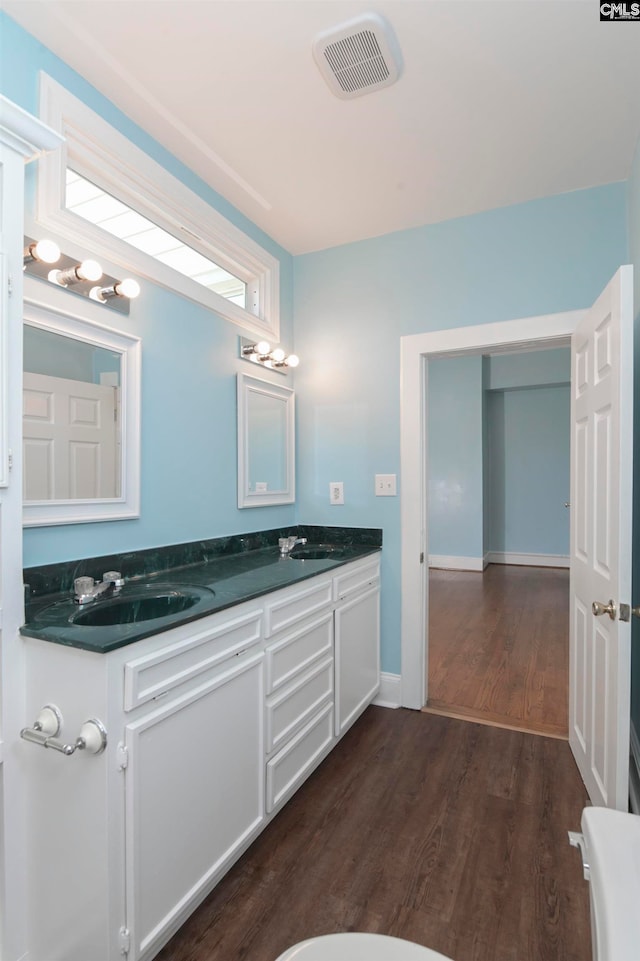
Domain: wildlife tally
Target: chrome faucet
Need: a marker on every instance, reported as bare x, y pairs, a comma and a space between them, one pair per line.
86, 589
287, 544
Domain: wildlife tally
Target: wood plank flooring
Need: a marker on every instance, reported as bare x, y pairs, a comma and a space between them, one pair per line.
446, 833
499, 647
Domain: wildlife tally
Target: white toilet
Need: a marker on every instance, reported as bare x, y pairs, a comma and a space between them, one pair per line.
355, 946
610, 845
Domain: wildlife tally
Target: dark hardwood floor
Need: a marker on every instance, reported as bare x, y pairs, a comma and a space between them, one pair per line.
447, 833
499, 646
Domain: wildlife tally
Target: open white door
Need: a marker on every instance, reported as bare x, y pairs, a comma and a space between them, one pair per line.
601, 502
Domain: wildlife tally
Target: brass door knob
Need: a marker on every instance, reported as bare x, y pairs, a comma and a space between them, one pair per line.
598, 608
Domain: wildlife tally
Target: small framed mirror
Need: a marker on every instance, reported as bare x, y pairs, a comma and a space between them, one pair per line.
81, 420
266, 443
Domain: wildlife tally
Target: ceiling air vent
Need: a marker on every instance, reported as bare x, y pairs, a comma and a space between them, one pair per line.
358, 56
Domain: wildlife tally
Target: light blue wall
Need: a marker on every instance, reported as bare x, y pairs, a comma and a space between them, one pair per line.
46, 352
529, 369
454, 427
353, 303
190, 360
528, 453
498, 480
633, 210
528, 408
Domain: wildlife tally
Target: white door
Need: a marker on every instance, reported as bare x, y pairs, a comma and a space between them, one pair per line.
601, 475
69, 439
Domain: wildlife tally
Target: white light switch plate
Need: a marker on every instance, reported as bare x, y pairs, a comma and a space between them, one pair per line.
385, 485
336, 492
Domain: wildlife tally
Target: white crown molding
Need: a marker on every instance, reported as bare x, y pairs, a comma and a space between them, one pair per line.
24, 133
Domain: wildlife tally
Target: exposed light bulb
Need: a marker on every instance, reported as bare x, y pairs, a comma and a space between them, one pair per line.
293, 360
89, 270
127, 288
44, 251
278, 355
263, 347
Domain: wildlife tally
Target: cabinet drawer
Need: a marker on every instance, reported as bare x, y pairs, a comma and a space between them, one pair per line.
296, 605
351, 581
298, 650
292, 707
153, 674
297, 759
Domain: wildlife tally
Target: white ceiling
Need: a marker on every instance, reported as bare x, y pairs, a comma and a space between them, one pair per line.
499, 101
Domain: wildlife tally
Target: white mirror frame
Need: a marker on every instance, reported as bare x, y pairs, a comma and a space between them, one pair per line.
246, 498
127, 505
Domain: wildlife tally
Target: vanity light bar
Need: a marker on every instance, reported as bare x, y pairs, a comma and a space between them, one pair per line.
78, 278
261, 352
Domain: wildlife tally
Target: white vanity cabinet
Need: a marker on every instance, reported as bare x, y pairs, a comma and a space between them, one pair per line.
125, 844
212, 726
194, 790
357, 640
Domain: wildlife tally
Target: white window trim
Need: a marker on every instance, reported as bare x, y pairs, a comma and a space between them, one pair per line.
97, 151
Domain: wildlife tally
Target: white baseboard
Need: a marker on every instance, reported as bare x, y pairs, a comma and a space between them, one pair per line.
528, 560
389, 694
449, 563
634, 771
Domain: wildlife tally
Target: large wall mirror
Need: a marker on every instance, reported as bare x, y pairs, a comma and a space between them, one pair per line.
266, 441
81, 420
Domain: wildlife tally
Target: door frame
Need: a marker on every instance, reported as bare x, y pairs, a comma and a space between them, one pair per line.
529, 333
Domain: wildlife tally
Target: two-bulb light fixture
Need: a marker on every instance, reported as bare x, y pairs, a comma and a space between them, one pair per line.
261, 352
44, 260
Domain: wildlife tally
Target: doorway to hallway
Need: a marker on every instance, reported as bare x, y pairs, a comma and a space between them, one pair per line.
499, 647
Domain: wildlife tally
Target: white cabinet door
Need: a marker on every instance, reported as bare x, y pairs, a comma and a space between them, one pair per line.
194, 798
357, 656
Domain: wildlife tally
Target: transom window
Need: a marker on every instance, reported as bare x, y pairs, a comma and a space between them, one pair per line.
104, 192
95, 205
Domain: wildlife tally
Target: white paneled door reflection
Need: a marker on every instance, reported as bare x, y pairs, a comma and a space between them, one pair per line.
69, 439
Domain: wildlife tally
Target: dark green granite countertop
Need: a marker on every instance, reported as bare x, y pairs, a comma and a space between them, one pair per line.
221, 580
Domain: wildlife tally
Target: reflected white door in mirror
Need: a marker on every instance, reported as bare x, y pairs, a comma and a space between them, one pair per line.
81, 419
266, 439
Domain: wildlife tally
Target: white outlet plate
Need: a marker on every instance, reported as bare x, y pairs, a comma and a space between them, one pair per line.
336, 492
385, 485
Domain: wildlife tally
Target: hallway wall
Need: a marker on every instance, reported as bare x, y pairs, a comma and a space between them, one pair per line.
455, 428
528, 434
